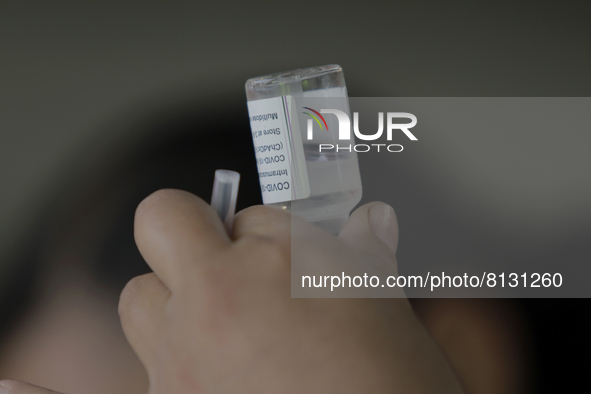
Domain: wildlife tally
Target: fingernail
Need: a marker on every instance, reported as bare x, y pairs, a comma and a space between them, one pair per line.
383, 224
3, 389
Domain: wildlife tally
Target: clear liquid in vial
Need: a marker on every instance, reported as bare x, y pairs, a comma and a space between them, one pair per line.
335, 183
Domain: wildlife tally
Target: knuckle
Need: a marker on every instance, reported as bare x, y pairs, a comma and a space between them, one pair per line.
152, 200
157, 199
130, 292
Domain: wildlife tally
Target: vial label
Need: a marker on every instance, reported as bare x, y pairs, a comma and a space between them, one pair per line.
279, 149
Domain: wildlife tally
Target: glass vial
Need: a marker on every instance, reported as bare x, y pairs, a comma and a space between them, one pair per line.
305, 163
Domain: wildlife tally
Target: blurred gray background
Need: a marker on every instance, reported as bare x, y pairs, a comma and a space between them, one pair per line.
83, 82
76, 79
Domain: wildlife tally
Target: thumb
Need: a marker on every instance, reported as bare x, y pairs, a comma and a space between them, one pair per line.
14, 387
372, 229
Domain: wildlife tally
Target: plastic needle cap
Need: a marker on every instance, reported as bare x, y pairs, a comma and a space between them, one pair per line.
224, 196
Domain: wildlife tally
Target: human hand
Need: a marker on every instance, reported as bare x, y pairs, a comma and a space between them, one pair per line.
216, 315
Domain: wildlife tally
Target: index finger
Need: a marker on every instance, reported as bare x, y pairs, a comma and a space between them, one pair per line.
175, 230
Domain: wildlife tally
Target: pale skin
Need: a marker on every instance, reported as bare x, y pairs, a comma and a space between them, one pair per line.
216, 314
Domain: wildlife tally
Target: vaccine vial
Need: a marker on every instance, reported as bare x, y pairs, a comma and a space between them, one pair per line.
300, 123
